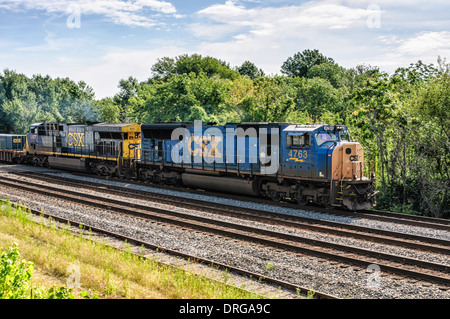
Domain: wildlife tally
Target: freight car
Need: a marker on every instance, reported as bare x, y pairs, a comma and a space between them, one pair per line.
12, 148
306, 163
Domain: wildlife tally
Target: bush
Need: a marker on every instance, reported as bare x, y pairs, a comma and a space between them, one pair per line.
15, 275
16, 280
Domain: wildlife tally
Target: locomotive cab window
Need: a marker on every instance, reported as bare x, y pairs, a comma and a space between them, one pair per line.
303, 140
324, 137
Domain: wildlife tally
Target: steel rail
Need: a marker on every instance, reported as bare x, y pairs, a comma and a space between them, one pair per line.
421, 221
328, 227
188, 257
205, 225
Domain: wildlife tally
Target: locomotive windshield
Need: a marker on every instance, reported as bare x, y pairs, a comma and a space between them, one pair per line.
324, 137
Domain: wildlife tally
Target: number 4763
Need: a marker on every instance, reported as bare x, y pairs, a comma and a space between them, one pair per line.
298, 154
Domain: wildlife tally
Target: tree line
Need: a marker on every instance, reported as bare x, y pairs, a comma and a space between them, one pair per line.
402, 120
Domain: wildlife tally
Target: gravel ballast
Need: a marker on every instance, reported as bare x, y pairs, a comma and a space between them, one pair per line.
324, 276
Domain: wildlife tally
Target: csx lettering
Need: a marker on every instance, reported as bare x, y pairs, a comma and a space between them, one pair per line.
75, 139
17, 140
203, 142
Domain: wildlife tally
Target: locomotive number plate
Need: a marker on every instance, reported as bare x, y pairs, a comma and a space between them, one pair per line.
298, 155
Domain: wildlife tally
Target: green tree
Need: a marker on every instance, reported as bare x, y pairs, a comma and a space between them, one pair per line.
272, 101
41, 98
109, 110
47, 98
128, 90
163, 68
20, 113
373, 116
75, 101
14, 88
356, 77
250, 69
432, 111
316, 96
183, 98
434, 103
240, 97
328, 71
300, 64
195, 63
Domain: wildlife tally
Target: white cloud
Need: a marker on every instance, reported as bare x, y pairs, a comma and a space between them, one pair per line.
278, 21
425, 46
263, 32
104, 75
101, 71
345, 30
268, 35
130, 13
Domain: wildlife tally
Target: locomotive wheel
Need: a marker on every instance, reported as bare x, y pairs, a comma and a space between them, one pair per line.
274, 195
178, 183
301, 200
36, 161
159, 180
354, 205
101, 170
325, 200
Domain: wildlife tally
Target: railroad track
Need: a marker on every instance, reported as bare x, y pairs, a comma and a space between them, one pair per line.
421, 221
191, 258
405, 240
350, 255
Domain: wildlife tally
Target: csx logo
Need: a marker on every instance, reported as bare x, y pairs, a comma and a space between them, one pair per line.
203, 143
17, 140
75, 139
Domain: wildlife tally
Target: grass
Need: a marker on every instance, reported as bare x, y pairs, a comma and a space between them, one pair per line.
59, 258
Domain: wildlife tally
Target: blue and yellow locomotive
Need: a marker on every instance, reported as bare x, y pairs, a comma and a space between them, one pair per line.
102, 148
305, 163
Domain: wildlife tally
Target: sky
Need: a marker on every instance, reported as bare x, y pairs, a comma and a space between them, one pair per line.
103, 41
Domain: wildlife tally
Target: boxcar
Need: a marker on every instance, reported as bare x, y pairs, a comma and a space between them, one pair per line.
11, 148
